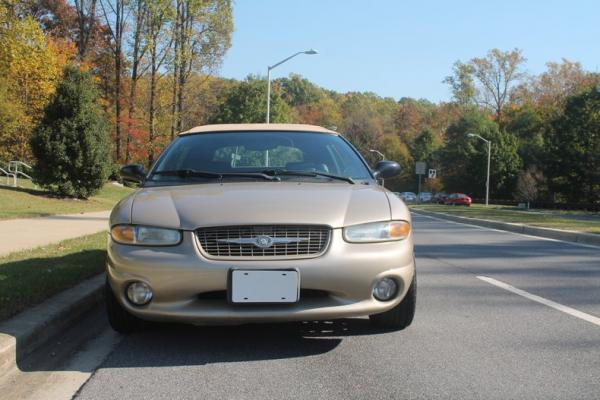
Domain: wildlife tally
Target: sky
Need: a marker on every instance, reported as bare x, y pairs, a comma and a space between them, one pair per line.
405, 48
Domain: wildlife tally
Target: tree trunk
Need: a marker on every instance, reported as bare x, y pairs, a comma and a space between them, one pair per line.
176, 62
118, 105
152, 111
86, 18
130, 118
184, 59
118, 67
136, 57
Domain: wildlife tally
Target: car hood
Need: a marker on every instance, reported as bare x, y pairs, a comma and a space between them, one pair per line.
250, 203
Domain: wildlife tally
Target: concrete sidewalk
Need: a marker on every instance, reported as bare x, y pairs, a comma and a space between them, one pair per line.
27, 233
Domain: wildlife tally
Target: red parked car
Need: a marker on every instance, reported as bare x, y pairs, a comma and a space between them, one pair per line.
458, 199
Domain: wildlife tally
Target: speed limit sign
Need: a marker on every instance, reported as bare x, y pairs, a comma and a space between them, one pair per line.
432, 173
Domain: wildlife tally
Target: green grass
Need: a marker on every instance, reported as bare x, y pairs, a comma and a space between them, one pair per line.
30, 202
573, 221
30, 277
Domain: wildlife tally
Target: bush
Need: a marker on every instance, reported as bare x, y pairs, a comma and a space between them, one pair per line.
71, 142
114, 172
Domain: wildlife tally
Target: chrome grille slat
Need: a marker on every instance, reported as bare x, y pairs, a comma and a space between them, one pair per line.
317, 238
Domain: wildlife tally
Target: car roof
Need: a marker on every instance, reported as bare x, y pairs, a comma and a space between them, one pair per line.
219, 128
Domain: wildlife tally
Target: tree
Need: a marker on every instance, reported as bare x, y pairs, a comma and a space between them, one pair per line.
202, 35
424, 146
86, 23
464, 159
324, 112
12, 117
528, 185
71, 143
30, 67
497, 73
489, 80
547, 93
296, 90
138, 49
398, 151
246, 103
527, 125
366, 118
462, 83
160, 14
116, 23
574, 149
412, 116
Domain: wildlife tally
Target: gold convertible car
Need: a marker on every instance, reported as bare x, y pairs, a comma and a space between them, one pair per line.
260, 222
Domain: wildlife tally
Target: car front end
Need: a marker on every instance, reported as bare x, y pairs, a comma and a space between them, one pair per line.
251, 251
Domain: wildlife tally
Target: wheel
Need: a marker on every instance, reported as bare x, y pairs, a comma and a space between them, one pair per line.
402, 315
120, 320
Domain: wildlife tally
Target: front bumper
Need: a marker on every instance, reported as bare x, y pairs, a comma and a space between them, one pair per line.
181, 276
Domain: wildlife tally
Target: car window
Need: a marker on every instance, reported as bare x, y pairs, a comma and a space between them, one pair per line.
256, 151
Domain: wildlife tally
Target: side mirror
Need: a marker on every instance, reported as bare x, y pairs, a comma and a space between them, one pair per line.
386, 169
133, 173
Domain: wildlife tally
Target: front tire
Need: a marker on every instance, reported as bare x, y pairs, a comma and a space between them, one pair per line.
402, 315
120, 320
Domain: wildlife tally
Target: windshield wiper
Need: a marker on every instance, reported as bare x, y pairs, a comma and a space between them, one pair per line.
188, 173
192, 173
276, 172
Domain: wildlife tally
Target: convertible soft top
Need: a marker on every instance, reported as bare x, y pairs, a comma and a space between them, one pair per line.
257, 127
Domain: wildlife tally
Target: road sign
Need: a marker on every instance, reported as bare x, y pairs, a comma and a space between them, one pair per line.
420, 167
432, 173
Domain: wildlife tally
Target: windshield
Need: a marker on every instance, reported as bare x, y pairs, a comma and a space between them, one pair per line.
236, 153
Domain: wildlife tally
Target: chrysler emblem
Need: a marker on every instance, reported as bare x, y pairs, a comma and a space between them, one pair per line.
263, 241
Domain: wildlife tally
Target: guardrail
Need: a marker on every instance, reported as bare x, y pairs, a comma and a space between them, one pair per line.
15, 169
8, 176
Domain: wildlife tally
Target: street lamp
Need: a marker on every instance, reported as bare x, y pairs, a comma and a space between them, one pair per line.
269, 68
487, 182
378, 152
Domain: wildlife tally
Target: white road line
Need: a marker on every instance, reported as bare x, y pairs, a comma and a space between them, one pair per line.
485, 228
557, 306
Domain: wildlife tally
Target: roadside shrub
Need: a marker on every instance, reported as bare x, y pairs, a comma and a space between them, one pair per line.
114, 172
71, 142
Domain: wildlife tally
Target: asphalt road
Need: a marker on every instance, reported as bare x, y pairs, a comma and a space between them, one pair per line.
470, 340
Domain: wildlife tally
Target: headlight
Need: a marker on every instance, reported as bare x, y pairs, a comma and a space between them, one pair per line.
145, 235
377, 232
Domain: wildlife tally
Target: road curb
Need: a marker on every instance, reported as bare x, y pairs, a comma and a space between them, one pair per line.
24, 333
549, 233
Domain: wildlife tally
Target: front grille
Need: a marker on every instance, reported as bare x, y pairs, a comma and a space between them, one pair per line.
304, 240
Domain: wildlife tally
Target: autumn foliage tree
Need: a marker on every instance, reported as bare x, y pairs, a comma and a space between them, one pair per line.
30, 67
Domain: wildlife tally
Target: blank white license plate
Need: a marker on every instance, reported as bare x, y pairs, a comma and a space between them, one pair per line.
260, 286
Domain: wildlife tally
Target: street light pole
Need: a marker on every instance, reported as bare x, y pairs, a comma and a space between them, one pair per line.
487, 182
379, 153
269, 68
268, 95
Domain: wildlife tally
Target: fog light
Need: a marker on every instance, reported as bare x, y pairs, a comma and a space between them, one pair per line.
139, 293
385, 289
